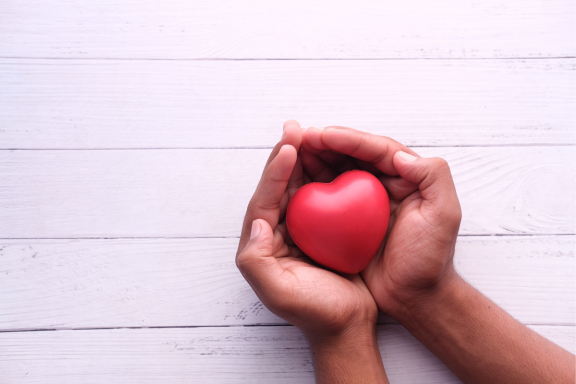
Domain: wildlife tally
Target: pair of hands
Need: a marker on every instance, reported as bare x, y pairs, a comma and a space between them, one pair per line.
413, 262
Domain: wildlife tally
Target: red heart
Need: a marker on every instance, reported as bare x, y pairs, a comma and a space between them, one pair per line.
341, 224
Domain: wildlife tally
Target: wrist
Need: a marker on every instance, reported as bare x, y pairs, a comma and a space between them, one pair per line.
419, 304
357, 337
355, 325
351, 356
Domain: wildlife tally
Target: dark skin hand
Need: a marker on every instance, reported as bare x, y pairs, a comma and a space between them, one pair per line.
412, 277
336, 312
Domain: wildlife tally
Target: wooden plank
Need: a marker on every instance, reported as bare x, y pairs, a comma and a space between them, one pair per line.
183, 104
297, 29
204, 192
522, 274
48, 284
202, 355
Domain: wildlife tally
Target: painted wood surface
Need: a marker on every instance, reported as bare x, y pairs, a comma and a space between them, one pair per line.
205, 355
188, 193
141, 128
221, 104
60, 284
234, 29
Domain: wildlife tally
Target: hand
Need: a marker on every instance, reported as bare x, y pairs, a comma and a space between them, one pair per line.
416, 255
336, 312
412, 277
321, 303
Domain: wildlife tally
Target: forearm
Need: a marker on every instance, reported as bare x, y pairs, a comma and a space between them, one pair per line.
480, 342
353, 357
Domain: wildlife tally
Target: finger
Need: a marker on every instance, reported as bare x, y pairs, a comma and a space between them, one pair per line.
283, 206
256, 261
312, 142
283, 229
294, 183
434, 180
341, 163
378, 150
366, 166
265, 204
291, 134
294, 251
316, 168
296, 178
398, 188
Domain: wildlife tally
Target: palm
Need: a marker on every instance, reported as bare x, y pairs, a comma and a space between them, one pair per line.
323, 296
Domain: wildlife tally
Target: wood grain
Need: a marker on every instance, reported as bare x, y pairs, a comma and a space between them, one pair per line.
204, 192
223, 104
205, 355
59, 284
234, 29
122, 206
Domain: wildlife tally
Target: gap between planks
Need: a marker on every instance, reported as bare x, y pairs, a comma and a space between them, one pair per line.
238, 237
287, 59
218, 326
270, 147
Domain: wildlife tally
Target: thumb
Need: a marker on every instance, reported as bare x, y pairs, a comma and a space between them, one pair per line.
256, 261
434, 180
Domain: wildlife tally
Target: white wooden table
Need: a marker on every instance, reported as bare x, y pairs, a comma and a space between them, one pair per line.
133, 133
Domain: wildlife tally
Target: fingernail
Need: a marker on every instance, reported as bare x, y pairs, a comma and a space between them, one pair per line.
406, 156
256, 227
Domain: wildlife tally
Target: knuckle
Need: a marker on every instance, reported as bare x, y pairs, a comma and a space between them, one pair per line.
247, 258
248, 266
255, 205
440, 164
439, 171
241, 261
267, 206
239, 264
454, 215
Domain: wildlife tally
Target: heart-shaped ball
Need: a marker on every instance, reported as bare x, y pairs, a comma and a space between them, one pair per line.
340, 224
